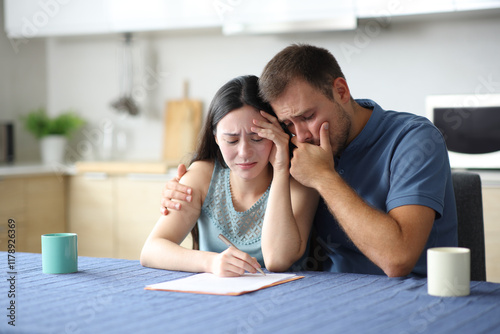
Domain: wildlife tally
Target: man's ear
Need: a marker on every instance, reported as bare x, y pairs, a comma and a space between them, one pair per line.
341, 90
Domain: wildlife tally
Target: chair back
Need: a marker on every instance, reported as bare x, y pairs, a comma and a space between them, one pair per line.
468, 197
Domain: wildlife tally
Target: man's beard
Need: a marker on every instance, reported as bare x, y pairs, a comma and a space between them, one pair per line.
343, 137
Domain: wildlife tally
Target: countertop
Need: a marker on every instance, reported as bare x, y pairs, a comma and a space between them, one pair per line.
125, 167
35, 168
129, 168
140, 169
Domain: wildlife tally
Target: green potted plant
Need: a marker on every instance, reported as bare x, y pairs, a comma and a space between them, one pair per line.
53, 132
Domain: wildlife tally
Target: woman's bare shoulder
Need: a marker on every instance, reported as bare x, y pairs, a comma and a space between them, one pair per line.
202, 167
198, 176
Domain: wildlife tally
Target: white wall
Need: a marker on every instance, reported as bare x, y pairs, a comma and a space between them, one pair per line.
397, 65
23, 87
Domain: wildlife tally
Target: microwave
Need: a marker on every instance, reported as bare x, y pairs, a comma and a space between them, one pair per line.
470, 125
6, 142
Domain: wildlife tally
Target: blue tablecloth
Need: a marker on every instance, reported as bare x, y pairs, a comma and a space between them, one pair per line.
108, 296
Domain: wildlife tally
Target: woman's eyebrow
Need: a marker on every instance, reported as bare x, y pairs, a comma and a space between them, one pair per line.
237, 134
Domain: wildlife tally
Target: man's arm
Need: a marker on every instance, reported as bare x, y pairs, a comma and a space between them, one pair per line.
393, 241
174, 190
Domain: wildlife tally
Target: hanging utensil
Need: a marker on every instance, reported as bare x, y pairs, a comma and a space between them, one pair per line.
126, 102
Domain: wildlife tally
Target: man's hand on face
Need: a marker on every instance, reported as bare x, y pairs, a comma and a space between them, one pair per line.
309, 160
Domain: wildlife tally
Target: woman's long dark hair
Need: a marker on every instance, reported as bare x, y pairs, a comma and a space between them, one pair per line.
236, 93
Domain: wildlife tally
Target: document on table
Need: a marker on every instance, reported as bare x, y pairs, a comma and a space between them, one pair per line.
211, 284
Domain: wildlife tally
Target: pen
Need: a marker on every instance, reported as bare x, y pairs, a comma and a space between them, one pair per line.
229, 243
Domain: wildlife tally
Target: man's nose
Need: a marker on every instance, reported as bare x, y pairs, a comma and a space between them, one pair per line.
303, 134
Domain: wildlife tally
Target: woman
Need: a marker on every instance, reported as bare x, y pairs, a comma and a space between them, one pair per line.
242, 149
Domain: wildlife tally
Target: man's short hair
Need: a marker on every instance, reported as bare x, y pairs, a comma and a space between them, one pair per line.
315, 65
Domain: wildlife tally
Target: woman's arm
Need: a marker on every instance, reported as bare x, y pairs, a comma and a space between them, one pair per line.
290, 207
289, 215
162, 248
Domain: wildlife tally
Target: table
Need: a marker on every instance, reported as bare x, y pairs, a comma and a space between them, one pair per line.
108, 296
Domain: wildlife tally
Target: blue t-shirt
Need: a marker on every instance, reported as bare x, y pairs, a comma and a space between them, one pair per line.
397, 159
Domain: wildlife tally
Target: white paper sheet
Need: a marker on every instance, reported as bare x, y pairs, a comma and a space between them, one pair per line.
207, 283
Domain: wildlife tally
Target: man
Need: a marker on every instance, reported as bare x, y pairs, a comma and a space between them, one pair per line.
384, 176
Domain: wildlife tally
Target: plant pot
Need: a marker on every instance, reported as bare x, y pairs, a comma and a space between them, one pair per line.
52, 148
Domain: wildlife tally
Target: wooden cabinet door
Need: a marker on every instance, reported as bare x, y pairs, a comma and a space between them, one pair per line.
90, 214
36, 204
45, 209
137, 210
491, 200
12, 206
113, 215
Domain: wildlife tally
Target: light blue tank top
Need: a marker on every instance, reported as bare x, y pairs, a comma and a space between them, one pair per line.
218, 215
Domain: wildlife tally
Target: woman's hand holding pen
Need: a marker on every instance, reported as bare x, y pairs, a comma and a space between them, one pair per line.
273, 131
233, 262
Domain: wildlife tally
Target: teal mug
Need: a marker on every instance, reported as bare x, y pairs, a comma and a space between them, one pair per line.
59, 253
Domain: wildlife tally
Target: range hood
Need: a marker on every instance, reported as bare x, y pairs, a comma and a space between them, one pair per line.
287, 16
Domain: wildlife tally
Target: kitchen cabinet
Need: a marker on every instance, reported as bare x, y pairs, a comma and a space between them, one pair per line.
114, 214
138, 209
12, 206
90, 214
34, 18
476, 4
37, 205
261, 16
154, 15
388, 8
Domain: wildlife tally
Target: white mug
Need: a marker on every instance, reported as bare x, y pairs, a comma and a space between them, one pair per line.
448, 271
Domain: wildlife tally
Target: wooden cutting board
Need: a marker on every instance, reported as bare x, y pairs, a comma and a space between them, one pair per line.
182, 124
